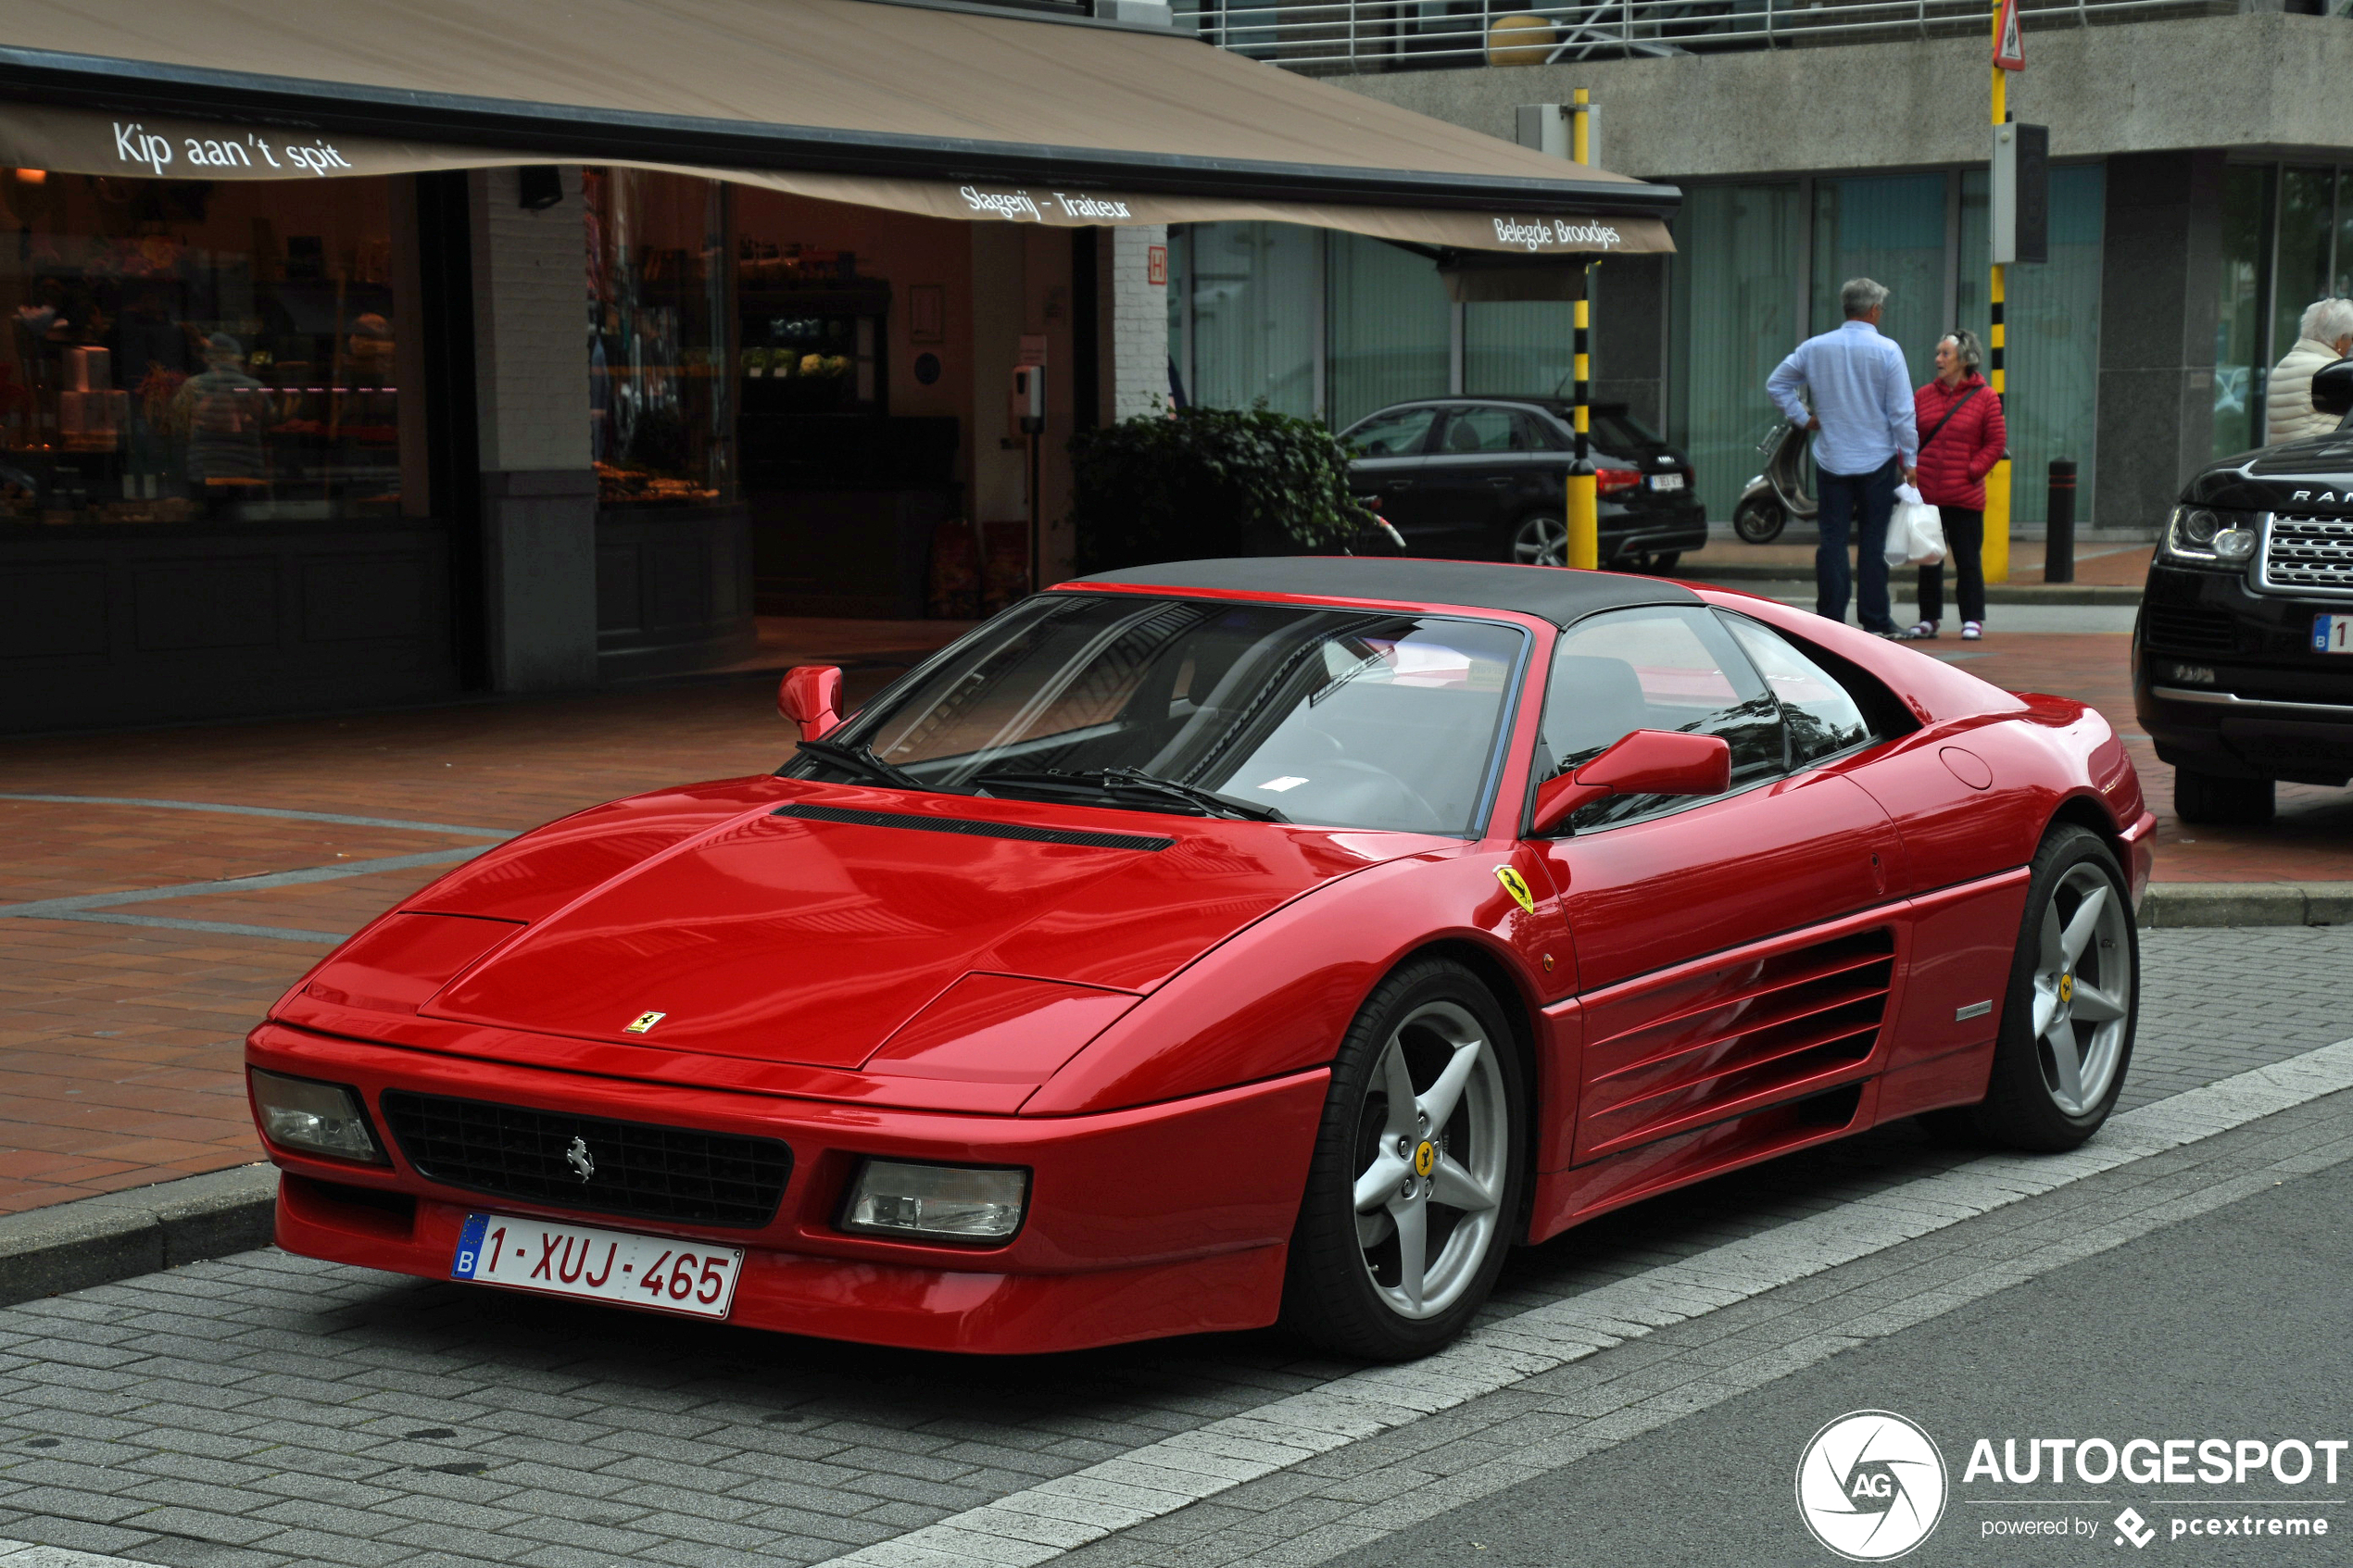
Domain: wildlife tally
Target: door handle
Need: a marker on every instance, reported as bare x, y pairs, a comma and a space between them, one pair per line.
1501, 481
1395, 484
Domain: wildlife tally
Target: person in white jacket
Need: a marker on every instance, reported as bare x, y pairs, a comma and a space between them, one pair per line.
2324, 336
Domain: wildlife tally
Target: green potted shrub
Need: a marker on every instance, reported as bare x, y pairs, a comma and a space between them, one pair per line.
1210, 482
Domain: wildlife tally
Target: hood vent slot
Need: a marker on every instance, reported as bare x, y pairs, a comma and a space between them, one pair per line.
973, 829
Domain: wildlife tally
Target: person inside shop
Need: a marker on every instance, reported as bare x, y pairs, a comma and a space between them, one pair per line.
222, 409
1962, 436
2323, 336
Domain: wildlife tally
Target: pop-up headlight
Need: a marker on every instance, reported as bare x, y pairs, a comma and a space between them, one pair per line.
313, 1118
936, 1202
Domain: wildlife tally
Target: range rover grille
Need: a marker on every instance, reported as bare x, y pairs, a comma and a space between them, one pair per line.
652, 1172
2308, 552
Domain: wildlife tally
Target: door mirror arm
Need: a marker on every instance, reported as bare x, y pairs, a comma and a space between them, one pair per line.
1645, 762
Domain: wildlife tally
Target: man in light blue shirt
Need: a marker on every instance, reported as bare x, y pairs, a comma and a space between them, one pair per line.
1868, 439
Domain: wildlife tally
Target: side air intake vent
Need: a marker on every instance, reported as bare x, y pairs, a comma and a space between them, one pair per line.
1729, 1040
973, 829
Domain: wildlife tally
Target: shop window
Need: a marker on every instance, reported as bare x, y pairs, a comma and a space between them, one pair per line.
1526, 349
2307, 214
661, 410
1739, 251
1392, 328
1253, 288
2051, 313
2240, 306
191, 352
1890, 229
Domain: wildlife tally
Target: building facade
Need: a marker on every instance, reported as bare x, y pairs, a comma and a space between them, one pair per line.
2198, 202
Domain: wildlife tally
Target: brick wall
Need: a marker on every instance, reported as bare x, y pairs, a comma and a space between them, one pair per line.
1137, 381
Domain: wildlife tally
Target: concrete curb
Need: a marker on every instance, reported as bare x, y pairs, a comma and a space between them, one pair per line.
2175, 905
1743, 573
118, 1235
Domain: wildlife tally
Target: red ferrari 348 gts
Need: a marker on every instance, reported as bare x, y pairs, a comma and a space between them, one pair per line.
1206, 946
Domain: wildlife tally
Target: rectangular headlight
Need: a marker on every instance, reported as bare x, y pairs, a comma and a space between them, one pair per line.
313, 1118
936, 1202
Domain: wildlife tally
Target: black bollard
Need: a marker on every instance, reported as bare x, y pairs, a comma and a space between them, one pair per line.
2058, 540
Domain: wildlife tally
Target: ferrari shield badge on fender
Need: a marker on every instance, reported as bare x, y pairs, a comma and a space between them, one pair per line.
1513, 884
643, 1023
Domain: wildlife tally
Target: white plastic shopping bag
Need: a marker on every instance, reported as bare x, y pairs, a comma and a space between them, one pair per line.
1915, 531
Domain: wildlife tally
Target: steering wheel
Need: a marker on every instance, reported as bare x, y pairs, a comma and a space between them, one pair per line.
1399, 800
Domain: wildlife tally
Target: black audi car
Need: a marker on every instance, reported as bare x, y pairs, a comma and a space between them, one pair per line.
1486, 479
2243, 654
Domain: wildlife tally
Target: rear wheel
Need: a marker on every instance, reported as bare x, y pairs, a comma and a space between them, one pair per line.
1759, 523
1416, 1181
1541, 540
2210, 798
2074, 999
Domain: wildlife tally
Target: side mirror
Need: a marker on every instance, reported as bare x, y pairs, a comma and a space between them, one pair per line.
2332, 388
1646, 762
811, 698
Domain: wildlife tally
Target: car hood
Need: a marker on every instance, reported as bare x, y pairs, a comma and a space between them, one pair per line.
812, 926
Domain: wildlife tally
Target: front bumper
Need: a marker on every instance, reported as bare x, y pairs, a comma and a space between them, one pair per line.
2272, 708
1162, 1220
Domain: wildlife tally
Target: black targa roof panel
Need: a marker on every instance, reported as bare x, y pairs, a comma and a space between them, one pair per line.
1550, 592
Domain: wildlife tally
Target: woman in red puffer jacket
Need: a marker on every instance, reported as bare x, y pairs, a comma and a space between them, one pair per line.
1962, 437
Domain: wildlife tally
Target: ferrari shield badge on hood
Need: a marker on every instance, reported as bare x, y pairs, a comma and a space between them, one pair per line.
643, 1024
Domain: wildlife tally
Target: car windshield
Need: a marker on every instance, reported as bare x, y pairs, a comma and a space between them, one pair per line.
1340, 717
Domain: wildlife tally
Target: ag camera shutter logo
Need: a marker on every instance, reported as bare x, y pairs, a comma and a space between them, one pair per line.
1871, 1485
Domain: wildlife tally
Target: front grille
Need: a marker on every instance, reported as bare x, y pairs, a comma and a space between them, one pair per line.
655, 1173
2308, 552
2189, 629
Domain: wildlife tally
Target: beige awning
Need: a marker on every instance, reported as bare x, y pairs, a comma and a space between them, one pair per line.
937, 108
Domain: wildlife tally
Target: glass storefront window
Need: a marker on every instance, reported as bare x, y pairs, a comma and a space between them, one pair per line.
2240, 308
1254, 288
1527, 349
186, 351
2308, 212
661, 424
1735, 302
1890, 229
2051, 312
1392, 328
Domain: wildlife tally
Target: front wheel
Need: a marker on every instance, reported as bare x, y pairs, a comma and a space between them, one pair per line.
1759, 523
2074, 999
1416, 1181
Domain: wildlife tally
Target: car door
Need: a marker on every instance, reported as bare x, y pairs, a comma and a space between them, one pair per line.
1733, 953
1475, 480
1393, 446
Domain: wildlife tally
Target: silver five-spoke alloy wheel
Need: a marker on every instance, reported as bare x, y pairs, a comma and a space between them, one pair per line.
1541, 540
2083, 989
1433, 1142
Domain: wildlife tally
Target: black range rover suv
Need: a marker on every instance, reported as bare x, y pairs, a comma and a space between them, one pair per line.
2243, 654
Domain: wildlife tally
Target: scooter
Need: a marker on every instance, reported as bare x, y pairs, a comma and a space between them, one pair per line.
1769, 501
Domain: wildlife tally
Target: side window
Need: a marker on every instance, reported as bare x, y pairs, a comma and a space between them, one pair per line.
1483, 429
1823, 715
1398, 434
1671, 667
1537, 435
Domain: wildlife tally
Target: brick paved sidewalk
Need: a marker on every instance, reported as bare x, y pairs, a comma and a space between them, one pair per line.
120, 1035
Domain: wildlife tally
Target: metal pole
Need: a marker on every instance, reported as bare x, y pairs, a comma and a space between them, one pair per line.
1583, 545
1997, 483
2058, 545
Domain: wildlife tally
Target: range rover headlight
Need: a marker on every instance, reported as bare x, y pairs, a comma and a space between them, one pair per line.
2210, 536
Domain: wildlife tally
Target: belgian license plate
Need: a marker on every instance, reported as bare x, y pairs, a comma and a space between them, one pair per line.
693, 1277
1667, 481
2333, 634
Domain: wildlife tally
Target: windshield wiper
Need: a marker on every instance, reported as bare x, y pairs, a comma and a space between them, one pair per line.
862, 761
1133, 780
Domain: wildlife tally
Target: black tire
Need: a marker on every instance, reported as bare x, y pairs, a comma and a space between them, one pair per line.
1666, 561
2022, 1108
1331, 1296
1759, 523
2210, 798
